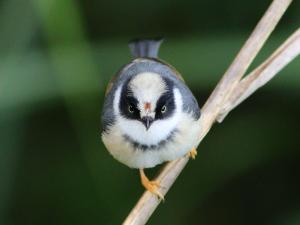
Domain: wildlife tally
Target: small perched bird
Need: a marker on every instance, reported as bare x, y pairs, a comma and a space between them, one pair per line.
149, 115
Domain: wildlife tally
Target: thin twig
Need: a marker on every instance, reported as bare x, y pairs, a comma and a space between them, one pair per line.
148, 202
289, 50
247, 53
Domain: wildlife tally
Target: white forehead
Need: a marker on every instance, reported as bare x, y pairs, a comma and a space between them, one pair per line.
147, 87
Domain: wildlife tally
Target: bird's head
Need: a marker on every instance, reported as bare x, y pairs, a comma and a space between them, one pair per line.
148, 98
148, 108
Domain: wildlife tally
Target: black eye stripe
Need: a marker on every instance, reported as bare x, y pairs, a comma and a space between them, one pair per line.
166, 99
127, 99
133, 101
129, 93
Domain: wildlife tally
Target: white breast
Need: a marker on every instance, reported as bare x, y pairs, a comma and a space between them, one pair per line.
184, 140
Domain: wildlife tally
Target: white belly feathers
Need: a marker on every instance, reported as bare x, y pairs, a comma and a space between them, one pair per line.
183, 140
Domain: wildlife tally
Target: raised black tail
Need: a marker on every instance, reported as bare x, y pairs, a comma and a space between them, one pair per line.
145, 47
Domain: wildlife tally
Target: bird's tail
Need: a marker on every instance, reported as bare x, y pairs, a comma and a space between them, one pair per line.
145, 47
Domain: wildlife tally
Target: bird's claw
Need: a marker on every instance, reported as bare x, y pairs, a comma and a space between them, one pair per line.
151, 186
193, 153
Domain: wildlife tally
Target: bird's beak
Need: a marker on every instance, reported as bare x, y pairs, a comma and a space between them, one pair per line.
147, 121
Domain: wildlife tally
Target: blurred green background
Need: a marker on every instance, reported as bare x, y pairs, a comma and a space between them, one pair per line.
56, 56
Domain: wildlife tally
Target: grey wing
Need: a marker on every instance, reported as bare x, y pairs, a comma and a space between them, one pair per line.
190, 103
108, 116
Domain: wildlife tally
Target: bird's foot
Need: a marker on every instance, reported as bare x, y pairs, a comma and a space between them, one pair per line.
193, 153
151, 186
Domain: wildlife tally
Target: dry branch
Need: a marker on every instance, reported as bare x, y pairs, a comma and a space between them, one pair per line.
247, 53
265, 72
224, 93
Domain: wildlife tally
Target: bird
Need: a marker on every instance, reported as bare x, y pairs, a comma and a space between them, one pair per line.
149, 114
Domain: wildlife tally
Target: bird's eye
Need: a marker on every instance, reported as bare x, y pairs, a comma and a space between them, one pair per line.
163, 109
131, 108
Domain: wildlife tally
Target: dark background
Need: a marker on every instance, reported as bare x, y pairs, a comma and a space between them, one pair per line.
56, 56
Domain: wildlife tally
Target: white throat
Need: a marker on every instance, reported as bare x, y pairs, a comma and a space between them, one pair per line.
158, 131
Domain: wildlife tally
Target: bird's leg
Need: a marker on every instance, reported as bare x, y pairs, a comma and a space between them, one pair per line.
192, 153
151, 186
